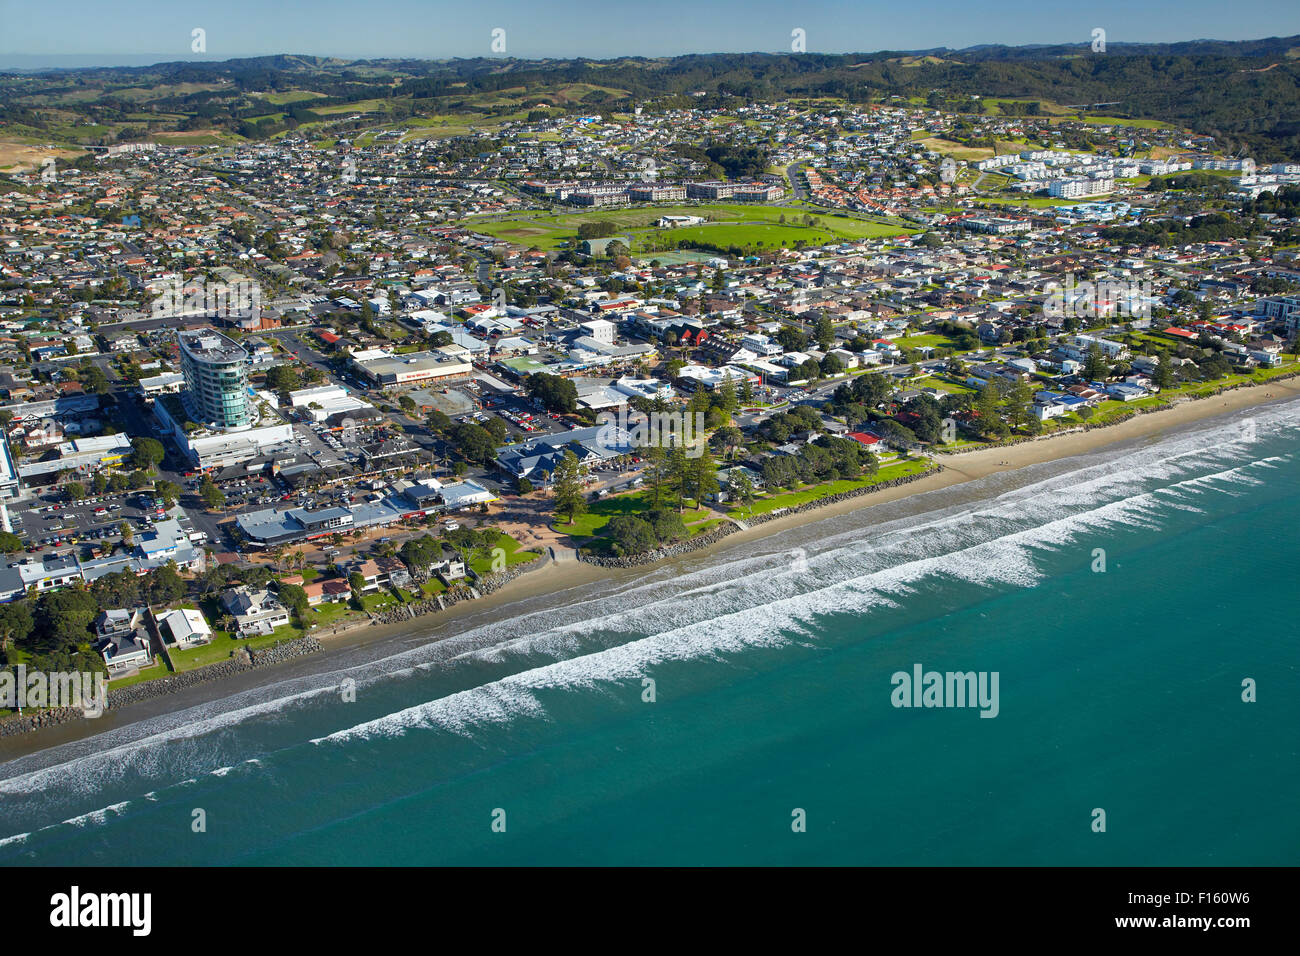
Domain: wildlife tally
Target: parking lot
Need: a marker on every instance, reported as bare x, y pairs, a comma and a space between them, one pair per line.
49, 521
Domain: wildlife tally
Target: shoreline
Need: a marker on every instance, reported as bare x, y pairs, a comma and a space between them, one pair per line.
556, 577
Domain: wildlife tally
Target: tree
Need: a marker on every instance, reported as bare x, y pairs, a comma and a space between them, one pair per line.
94, 380
728, 438
667, 524
569, 500
988, 404
631, 534
117, 589
437, 422
146, 453
75, 490
704, 474
474, 442
679, 474
295, 599
497, 429
63, 619
10, 543
167, 492
824, 333
127, 533
1019, 400
656, 471
742, 489
165, 584
15, 624
557, 394
727, 394
525, 486
213, 498
1095, 368
1163, 376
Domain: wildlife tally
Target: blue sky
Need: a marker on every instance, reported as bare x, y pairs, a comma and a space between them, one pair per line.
68, 32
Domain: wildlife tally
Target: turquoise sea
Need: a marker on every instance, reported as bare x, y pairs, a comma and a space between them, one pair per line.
771, 661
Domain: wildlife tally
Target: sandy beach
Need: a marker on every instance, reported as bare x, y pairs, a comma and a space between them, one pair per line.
550, 583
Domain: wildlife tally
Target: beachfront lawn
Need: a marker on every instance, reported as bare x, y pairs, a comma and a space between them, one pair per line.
223, 646
703, 526
327, 613
378, 601
153, 672
802, 496
515, 553
599, 513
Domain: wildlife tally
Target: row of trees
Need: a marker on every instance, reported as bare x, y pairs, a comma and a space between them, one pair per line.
826, 459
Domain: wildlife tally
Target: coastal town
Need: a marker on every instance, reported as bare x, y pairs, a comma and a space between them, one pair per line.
258, 394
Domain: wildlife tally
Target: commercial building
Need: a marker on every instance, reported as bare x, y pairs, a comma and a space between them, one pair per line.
81, 456
215, 368
537, 459
218, 449
331, 403
386, 369
9, 482
168, 383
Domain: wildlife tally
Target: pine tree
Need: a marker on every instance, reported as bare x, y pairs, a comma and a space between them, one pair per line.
569, 499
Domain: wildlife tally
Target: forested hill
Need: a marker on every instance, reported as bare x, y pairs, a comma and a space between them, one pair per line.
1245, 94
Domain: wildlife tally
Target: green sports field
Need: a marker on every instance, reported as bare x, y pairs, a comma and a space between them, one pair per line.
751, 227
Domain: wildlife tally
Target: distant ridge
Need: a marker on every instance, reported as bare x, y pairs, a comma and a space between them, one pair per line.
1245, 94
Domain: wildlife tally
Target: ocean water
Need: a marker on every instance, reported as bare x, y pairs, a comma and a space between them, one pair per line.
1118, 689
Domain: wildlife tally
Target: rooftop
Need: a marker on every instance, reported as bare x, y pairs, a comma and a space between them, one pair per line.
209, 345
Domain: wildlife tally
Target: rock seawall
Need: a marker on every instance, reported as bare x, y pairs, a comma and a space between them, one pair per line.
483, 584
244, 660
16, 724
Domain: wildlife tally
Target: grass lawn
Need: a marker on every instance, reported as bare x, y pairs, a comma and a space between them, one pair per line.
703, 526
636, 503
945, 384
327, 613
378, 601
933, 340
814, 492
223, 646
145, 674
739, 224
514, 554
